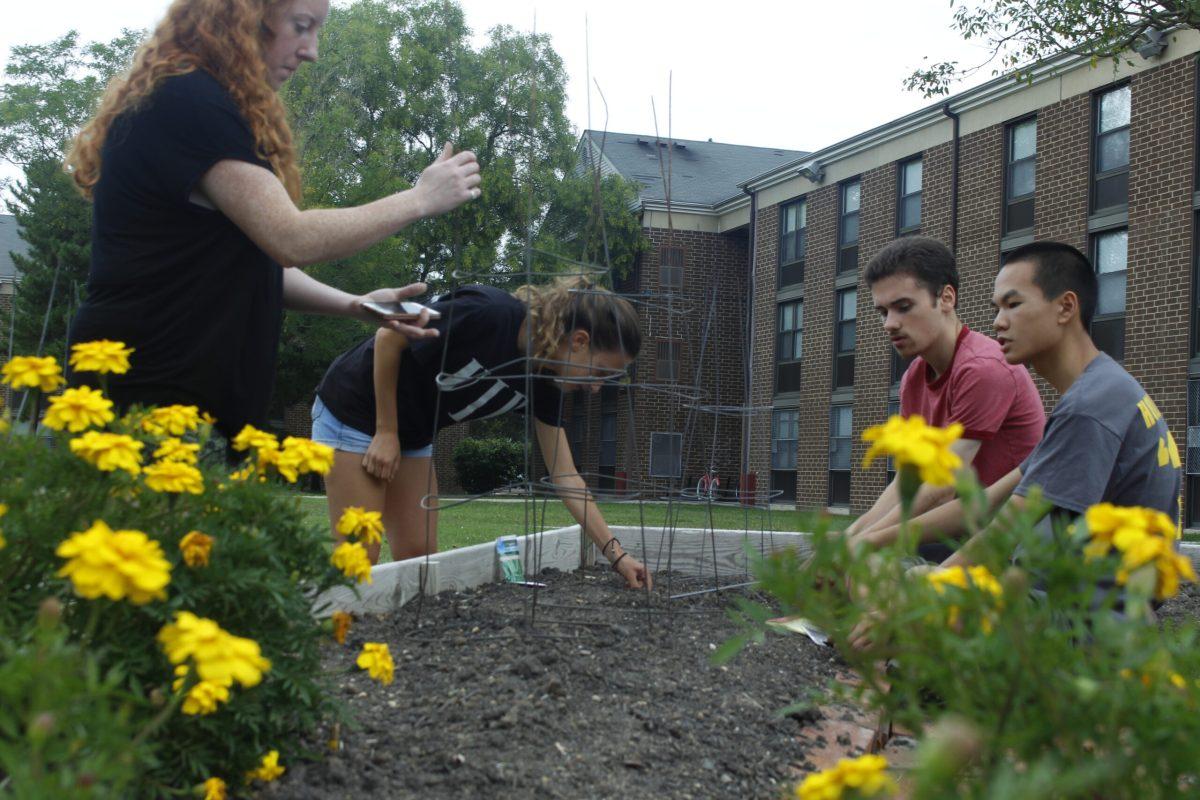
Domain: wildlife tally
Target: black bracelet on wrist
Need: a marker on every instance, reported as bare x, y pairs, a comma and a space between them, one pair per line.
618, 561
604, 550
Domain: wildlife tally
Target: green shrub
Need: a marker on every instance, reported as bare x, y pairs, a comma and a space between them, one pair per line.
1024, 680
486, 464
65, 727
101, 673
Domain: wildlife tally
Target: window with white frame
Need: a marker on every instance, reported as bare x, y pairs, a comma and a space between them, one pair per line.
908, 216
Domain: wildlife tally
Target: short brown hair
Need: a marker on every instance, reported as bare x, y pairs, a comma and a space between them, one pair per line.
927, 260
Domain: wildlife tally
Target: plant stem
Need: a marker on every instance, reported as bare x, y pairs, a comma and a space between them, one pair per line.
160, 719
89, 630
37, 409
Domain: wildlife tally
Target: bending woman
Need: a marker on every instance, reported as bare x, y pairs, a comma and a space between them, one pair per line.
378, 405
196, 231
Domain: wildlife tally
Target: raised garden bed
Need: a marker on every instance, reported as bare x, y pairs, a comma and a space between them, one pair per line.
591, 691
598, 698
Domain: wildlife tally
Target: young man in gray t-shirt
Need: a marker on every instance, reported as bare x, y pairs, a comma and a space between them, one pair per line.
1105, 441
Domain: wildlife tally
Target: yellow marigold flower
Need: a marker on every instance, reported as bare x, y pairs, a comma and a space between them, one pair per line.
109, 451
1178, 681
299, 456
219, 656
1123, 526
173, 420
173, 449
978, 577
267, 770
3, 511
913, 443
181, 673
102, 356
820, 786
196, 547
33, 372
366, 525
78, 409
242, 474
352, 559
250, 436
174, 477
377, 661
266, 457
341, 626
1142, 536
116, 564
204, 697
215, 789
864, 775
265, 446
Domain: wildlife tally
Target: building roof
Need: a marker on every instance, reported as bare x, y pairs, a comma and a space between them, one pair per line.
9, 241
987, 93
702, 173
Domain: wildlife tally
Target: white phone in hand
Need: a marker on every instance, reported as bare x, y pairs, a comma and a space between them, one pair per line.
404, 311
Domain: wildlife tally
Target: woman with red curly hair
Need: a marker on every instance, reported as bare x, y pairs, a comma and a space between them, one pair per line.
197, 237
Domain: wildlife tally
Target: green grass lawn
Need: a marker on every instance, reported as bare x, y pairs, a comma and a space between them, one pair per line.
483, 520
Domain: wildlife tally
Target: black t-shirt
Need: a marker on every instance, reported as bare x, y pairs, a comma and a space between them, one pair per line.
198, 301
485, 371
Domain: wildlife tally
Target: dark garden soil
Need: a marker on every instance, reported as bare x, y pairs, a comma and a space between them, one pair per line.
593, 701
1183, 607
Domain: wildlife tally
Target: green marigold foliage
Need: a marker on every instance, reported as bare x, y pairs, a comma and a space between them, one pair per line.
77, 690
1026, 679
65, 727
486, 464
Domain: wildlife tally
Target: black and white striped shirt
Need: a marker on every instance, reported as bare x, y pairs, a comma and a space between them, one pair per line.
485, 373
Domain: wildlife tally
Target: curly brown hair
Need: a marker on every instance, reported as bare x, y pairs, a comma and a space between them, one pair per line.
575, 303
224, 37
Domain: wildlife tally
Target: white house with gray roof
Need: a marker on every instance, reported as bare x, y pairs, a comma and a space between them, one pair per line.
10, 242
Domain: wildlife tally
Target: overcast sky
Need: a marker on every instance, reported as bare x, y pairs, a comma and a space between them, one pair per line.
797, 75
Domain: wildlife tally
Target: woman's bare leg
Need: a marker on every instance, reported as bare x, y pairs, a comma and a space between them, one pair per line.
348, 484
412, 531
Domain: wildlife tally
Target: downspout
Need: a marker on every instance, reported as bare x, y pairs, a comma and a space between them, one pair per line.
748, 370
953, 179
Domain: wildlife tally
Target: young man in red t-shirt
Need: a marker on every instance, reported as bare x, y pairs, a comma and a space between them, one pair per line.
956, 375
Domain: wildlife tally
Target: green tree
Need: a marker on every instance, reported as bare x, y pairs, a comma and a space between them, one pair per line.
1020, 33
55, 221
49, 92
590, 220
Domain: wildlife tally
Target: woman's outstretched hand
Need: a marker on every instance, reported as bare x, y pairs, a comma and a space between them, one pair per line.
447, 183
635, 573
413, 329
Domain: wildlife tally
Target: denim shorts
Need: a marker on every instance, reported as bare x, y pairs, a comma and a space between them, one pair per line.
329, 430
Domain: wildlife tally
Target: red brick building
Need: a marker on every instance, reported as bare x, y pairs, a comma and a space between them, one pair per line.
684, 412
1103, 158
